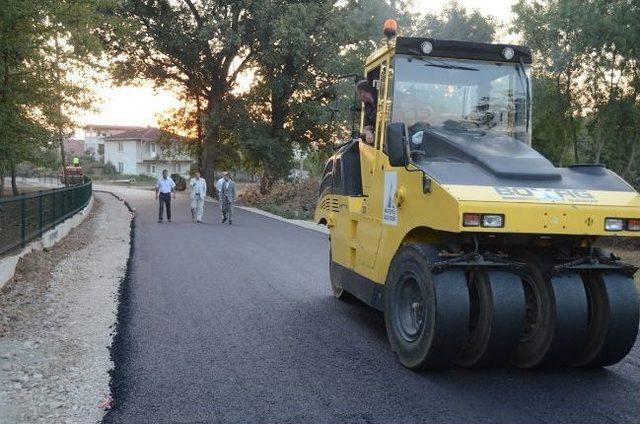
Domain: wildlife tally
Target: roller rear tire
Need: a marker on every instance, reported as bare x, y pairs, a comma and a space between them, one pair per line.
336, 286
613, 319
556, 316
497, 318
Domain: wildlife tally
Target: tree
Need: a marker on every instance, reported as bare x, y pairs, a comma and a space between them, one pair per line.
197, 48
456, 23
43, 45
587, 52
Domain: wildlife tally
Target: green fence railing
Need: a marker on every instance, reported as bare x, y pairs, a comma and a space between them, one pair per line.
26, 217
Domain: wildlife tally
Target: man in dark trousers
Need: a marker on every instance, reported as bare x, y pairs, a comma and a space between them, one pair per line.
227, 197
164, 187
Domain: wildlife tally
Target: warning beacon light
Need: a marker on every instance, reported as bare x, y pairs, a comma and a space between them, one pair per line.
390, 28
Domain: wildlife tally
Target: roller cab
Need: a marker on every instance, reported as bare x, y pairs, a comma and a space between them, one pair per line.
477, 248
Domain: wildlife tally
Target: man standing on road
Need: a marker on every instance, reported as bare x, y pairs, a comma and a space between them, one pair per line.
164, 187
219, 192
227, 197
198, 193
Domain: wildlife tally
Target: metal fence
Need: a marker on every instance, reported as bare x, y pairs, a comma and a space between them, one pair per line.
24, 218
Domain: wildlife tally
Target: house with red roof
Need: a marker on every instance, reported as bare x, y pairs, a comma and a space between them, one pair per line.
147, 151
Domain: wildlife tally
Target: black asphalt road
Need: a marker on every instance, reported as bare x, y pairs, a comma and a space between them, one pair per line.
236, 324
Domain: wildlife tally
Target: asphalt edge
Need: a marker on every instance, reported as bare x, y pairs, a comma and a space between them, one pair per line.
118, 351
309, 225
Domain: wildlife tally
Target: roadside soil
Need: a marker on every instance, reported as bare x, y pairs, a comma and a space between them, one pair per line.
56, 322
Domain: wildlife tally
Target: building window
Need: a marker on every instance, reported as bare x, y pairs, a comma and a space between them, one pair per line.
179, 171
153, 169
101, 149
120, 167
120, 146
148, 168
153, 147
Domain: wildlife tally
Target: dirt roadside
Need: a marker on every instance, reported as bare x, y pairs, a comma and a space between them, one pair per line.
56, 322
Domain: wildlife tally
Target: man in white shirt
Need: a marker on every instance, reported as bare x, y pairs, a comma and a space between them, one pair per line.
198, 193
164, 187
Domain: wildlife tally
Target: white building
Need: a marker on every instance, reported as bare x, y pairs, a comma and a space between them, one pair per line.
94, 136
138, 152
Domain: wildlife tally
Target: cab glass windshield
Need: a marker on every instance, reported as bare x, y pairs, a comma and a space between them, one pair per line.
485, 98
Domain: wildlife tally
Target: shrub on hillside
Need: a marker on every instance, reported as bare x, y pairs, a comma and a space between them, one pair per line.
291, 199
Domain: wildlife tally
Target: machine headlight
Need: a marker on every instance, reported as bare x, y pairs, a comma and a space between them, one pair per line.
483, 220
426, 47
613, 224
508, 53
493, 221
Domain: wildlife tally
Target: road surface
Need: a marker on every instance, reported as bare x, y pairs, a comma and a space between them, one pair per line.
236, 324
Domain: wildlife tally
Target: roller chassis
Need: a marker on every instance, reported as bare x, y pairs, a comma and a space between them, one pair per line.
533, 293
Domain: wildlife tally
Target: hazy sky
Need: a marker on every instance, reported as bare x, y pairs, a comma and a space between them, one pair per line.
140, 105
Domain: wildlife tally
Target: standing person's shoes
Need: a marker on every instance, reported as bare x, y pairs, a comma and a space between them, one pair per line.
224, 219
230, 222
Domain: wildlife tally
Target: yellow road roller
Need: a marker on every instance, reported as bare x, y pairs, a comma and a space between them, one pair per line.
479, 251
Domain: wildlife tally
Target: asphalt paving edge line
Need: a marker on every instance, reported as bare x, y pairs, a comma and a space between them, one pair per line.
309, 225
118, 349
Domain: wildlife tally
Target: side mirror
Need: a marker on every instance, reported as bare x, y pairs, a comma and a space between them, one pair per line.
397, 144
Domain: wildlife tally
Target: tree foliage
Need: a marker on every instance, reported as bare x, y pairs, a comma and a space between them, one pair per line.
587, 66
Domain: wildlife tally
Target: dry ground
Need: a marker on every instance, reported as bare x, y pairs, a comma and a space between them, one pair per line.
56, 319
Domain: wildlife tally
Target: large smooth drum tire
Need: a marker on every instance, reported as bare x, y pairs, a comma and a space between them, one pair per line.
613, 319
556, 316
497, 318
426, 315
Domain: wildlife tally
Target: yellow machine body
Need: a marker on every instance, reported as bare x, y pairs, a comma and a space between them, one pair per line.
400, 204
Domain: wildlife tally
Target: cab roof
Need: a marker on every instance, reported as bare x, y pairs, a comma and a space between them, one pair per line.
454, 49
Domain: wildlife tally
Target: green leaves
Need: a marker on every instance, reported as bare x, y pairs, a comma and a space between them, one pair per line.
588, 52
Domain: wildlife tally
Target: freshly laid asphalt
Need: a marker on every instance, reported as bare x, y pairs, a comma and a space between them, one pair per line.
236, 324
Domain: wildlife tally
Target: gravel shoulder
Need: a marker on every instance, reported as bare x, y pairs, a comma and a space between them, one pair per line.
56, 322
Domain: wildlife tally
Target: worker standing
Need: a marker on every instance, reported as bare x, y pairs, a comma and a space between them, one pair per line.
219, 191
227, 197
164, 188
198, 194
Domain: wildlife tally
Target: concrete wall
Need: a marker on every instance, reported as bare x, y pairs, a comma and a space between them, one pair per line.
8, 264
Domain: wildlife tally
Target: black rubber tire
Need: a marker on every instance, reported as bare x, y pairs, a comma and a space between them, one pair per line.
334, 278
497, 318
556, 316
441, 314
613, 319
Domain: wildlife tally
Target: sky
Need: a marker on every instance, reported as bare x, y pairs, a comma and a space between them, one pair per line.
142, 105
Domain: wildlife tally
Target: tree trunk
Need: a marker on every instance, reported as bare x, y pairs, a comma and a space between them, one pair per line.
59, 123
209, 153
14, 185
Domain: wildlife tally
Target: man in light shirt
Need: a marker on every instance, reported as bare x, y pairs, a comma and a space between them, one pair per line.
227, 198
198, 193
164, 188
219, 192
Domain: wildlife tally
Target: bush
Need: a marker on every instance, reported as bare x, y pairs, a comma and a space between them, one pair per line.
181, 183
290, 199
109, 169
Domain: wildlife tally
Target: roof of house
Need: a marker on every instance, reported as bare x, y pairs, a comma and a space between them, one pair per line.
148, 133
112, 127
